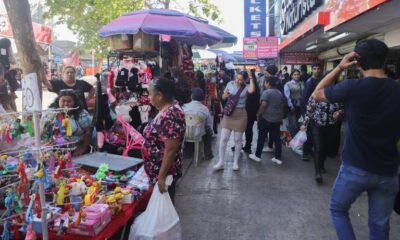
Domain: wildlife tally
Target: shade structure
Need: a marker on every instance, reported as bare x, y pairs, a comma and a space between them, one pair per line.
227, 56
228, 39
180, 26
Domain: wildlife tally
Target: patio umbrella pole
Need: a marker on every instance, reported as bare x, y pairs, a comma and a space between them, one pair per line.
160, 51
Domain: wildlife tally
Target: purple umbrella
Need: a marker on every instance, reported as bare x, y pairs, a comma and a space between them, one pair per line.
180, 26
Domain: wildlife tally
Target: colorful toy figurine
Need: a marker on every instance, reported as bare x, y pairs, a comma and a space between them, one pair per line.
67, 125
60, 194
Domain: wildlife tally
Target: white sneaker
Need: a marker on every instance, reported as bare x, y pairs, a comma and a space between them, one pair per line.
254, 157
235, 166
268, 150
219, 166
277, 161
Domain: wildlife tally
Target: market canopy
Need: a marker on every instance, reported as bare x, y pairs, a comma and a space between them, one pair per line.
228, 39
180, 26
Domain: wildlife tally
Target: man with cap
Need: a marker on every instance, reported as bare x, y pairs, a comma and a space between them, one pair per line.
198, 108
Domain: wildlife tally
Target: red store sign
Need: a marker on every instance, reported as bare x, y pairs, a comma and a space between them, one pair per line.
297, 58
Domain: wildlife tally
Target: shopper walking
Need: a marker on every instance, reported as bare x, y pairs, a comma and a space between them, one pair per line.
304, 76
252, 105
269, 117
370, 157
309, 87
162, 148
294, 90
323, 119
236, 91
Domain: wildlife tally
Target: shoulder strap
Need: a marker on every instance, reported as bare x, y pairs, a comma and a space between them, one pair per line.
239, 91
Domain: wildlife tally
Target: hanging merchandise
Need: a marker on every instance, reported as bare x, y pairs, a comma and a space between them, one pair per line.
144, 113
122, 78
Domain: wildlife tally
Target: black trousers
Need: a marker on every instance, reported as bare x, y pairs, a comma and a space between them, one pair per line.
249, 131
324, 138
308, 145
273, 129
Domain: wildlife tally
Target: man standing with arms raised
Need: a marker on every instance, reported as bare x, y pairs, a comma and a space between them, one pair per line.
370, 157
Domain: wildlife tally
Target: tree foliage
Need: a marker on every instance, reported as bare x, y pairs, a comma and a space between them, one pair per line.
86, 17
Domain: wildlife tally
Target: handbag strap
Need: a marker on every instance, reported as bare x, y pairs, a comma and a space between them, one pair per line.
239, 92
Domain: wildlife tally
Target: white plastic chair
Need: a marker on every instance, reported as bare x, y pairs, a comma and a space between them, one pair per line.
195, 131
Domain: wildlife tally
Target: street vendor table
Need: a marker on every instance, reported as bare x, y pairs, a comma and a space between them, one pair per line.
117, 222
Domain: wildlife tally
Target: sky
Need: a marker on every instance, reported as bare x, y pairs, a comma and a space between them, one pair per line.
232, 13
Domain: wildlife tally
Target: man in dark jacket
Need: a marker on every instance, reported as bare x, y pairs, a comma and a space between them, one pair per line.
309, 87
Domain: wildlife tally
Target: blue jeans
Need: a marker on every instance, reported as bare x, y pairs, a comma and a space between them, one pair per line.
349, 184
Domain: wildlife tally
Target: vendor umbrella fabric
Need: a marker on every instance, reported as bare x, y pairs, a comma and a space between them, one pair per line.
180, 26
228, 39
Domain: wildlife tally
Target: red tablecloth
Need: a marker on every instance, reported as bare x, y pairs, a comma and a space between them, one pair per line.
128, 210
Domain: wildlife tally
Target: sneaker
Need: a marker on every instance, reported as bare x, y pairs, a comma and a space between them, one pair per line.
235, 166
268, 150
277, 161
219, 166
254, 157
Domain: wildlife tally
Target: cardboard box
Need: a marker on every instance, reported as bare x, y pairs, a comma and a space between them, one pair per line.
121, 42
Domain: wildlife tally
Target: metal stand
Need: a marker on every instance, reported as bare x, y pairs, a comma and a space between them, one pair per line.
36, 122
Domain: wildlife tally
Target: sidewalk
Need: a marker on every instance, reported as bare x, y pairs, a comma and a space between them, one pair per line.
262, 201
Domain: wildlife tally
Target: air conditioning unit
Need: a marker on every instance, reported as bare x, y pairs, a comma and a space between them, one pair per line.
121, 42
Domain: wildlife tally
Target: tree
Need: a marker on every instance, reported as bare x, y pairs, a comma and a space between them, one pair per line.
86, 17
19, 14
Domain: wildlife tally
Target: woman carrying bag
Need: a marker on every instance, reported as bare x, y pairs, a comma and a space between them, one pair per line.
235, 117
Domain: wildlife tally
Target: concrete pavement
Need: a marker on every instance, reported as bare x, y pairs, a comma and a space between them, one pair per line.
262, 201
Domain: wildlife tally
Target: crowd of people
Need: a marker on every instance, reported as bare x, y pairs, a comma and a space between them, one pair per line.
316, 104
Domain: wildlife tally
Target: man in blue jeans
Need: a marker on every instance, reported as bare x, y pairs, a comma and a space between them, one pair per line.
370, 157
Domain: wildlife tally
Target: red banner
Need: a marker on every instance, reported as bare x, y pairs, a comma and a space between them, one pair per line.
42, 32
342, 11
260, 47
297, 58
267, 47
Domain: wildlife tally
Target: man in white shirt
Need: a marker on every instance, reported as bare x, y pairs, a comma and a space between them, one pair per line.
197, 107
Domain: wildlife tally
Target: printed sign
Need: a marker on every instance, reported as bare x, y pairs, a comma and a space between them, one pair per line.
294, 12
250, 47
255, 18
260, 47
42, 32
267, 47
297, 58
342, 11
30, 93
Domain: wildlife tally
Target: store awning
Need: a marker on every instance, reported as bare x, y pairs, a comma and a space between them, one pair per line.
313, 24
378, 16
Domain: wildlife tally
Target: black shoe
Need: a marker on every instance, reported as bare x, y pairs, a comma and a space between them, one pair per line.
233, 149
305, 158
209, 157
247, 150
318, 178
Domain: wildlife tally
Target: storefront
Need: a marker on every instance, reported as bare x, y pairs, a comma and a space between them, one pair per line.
333, 30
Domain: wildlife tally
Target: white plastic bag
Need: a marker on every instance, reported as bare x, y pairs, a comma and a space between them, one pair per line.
296, 144
160, 221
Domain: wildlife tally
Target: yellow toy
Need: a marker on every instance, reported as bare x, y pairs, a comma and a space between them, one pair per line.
60, 194
67, 125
